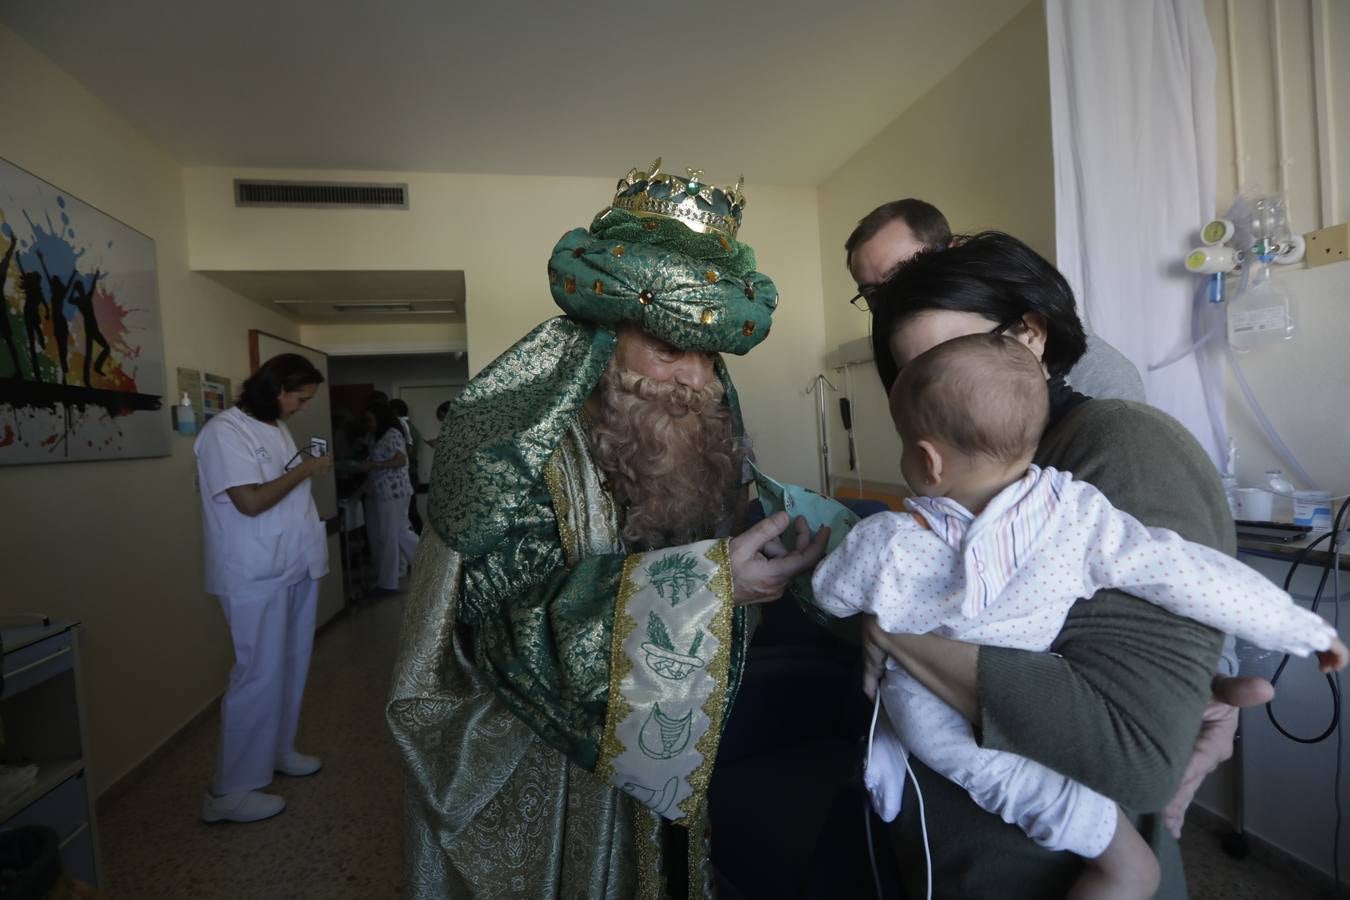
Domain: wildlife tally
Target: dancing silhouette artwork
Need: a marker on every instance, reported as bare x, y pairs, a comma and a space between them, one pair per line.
6, 329
59, 289
82, 299
34, 309
81, 355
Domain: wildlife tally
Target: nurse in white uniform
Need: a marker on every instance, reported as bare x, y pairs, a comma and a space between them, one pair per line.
389, 490
265, 551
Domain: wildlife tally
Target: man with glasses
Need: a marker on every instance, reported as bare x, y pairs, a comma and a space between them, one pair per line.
891, 234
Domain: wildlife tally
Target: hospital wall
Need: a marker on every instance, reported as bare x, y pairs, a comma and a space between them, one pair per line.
1301, 384
117, 544
1287, 126
352, 339
977, 146
499, 230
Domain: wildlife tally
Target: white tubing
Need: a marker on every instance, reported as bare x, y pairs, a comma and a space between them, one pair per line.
1268, 429
1233, 90
1326, 153
1277, 62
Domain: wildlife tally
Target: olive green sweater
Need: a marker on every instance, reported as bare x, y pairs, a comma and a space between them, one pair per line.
1116, 705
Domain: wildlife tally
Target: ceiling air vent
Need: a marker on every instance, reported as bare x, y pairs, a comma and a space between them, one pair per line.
320, 194
374, 307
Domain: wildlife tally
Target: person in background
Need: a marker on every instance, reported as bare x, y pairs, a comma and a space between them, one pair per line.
265, 552
441, 412
892, 233
393, 542
414, 440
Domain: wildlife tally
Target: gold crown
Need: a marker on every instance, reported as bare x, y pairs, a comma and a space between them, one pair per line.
699, 206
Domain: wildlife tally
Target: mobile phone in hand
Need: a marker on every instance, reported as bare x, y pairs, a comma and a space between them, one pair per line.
318, 446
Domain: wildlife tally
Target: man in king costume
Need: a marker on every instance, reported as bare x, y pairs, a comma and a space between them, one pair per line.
578, 624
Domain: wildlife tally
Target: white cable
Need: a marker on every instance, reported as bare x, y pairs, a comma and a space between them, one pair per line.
923, 827
867, 804
923, 818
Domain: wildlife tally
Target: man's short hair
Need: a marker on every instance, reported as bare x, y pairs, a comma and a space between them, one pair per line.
925, 220
400, 408
982, 394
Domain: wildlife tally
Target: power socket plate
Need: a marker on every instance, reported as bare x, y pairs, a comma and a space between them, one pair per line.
1328, 245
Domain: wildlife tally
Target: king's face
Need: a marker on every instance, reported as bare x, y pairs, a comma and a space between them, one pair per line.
653, 358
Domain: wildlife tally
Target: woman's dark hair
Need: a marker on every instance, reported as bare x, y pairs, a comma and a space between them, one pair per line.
991, 274
284, 372
385, 419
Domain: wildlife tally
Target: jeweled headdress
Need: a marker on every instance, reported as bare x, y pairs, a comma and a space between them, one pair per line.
664, 256
699, 206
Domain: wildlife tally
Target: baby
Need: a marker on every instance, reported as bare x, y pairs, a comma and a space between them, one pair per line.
995, 550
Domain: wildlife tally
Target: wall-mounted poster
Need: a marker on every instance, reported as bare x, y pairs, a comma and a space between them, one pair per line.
215, 395
81, 351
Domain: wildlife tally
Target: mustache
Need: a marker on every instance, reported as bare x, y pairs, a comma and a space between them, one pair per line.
678, 399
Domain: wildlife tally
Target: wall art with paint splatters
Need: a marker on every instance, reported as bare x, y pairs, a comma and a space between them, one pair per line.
81, 350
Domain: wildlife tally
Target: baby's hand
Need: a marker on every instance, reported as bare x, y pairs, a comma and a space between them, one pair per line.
1334, 658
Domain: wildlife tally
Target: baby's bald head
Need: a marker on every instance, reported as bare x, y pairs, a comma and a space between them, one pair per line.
983, 395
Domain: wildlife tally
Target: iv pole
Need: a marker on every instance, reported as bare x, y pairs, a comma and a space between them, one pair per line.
817, 387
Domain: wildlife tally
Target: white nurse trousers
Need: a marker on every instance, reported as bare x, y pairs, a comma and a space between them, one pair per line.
393, 543
273, 632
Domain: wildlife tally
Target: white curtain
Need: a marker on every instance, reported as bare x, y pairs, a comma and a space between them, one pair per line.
1132, 112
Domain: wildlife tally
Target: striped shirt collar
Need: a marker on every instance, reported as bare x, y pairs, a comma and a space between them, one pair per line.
1001, 538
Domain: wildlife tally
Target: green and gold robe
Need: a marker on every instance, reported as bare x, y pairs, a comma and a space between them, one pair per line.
557, 698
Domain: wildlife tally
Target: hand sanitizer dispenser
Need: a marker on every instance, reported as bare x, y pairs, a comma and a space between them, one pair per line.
185, 417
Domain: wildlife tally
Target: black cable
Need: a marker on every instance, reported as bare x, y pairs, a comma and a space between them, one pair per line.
1332, 683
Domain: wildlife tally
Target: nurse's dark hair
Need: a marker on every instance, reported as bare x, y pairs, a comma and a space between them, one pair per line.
283, 372
385, 418
990, 274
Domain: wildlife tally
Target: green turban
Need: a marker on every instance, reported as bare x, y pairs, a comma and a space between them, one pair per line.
694, 291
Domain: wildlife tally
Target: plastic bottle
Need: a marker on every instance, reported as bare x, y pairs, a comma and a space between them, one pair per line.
1282, 506
185, 417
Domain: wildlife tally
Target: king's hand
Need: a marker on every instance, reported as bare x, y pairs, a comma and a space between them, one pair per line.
761, 567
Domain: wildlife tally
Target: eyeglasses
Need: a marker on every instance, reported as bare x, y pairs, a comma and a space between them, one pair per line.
863, 299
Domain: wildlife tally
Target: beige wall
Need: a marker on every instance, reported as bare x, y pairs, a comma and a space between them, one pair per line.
117, 544
499, 230
1301, 383
1292, 381
978, 147
345, 339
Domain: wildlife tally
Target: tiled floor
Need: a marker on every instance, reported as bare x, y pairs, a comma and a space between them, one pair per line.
340, 838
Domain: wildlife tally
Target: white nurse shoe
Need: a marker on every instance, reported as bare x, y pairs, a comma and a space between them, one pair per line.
244, 806
298, 765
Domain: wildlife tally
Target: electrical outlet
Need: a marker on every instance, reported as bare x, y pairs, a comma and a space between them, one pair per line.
1328, 245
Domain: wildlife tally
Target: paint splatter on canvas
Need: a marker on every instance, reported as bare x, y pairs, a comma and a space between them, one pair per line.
81, 352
